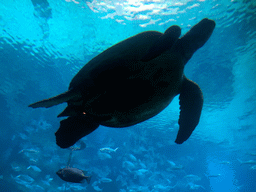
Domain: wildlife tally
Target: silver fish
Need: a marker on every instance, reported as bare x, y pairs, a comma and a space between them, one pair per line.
35, 168
251, 162
105, 180
23, 179
108, 149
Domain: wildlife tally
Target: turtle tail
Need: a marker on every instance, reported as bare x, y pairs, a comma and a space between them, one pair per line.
61, 98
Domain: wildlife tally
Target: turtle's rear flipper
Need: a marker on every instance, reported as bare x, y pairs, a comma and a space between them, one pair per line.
61, 98
74, 128
191, 103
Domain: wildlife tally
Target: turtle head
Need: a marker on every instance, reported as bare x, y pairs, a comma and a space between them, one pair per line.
196, 37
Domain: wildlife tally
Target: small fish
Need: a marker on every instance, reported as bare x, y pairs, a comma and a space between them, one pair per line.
23, 179
103, 156
105, 180
77, 187
253, 167
192, 178
73, 175
15, 167
48, 177
108, 149
142, 171
217, 175
142, 164
35, 187
29, 151
128, 165
171, 163
96, 188
132, 157
177, 167
251, 162
95, 183
194, 186
47, 180
174, 166
162, 187
224, 162
33, 160
35, 168
23, 136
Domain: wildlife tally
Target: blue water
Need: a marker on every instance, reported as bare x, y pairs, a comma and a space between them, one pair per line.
43, 44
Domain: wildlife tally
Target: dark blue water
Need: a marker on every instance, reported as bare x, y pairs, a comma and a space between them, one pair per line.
43, 44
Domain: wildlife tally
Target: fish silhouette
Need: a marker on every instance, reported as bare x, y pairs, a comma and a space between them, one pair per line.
74, 175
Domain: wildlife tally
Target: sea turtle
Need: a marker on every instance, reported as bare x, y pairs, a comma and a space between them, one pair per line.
131, 82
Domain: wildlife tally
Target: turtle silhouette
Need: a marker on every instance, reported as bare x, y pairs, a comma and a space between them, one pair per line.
133, 81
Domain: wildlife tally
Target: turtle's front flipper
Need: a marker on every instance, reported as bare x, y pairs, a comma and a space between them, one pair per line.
191, 103
163, 43
74, 128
